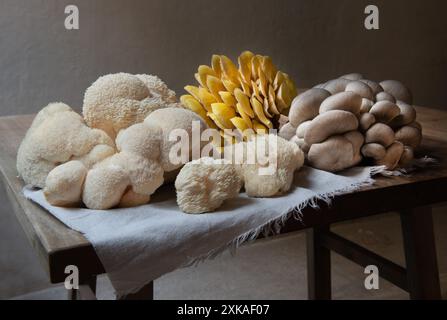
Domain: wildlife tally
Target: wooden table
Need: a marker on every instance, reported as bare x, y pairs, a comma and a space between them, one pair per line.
59, 246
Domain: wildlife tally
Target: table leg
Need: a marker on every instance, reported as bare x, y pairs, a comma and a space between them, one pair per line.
318, 266
420, 253
145, 293
75, 294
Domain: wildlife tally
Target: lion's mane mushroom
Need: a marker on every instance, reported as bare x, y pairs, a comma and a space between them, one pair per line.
204, 184
129, 177
57, 135
116, 101
397, 90
280, 163
170, 119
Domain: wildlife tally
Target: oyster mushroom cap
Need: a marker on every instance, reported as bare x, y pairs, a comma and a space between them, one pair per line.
352, 76
366, 120
287, 131
336, 85
375, 87
334, 154
302, 128
361, 88
347, 101
385, 96
330, 123
407, 156
306, 106
407, 115
385, 111
392, 156
409, 136
398, 90
380, 133
374, 150
366, 105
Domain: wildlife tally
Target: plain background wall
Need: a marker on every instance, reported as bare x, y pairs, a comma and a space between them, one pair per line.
312, 40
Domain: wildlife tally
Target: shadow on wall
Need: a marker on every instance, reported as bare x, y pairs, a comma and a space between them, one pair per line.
312, 40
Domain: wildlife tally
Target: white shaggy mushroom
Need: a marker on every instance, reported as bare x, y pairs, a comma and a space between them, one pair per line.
204, 184
117, 101
284, 159
57, 135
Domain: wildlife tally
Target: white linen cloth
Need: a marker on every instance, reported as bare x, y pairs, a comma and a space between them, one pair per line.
137, 245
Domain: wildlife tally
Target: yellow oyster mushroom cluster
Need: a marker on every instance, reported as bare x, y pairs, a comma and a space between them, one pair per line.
252, 95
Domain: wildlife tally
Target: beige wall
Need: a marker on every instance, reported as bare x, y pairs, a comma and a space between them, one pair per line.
312, 40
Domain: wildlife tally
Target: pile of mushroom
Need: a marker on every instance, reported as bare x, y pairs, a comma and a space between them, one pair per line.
345, 120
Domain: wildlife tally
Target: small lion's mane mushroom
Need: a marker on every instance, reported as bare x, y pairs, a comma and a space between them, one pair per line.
397, 90
306, 105
204, 184
288, 157
336, 153
64, 184
116, 101
57, 135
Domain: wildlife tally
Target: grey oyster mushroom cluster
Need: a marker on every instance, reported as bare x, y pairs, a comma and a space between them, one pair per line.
339, 123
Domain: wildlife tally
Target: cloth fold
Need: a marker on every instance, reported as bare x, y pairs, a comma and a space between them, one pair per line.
137, 245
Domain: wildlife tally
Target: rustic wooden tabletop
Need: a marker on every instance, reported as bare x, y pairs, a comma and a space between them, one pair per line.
59, 246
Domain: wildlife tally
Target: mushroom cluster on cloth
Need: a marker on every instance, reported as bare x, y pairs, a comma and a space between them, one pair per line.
203, 185
345, 120
254, 95
129, 177
118, 154
116, 101
57, 135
